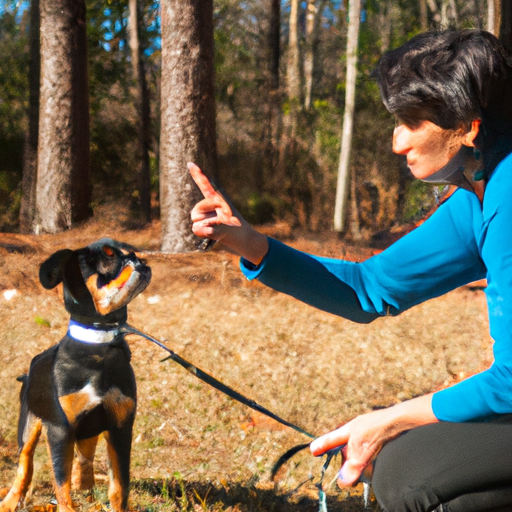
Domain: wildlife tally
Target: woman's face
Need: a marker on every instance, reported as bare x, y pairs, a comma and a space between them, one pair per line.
428, 147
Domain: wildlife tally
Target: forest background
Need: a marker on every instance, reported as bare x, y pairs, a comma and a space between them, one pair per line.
279, 107
278, 153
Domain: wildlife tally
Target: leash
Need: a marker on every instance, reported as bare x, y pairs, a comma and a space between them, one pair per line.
212, 381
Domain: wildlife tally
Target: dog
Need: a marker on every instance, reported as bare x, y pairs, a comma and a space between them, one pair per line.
83, 386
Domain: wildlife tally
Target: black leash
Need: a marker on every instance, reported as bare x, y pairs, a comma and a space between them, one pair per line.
212, 381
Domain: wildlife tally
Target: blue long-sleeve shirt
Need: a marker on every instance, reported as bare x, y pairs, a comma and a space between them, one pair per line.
463, 241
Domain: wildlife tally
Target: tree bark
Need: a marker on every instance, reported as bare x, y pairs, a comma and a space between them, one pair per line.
423, 15
340, 206
141, 97
313, 17
187, 114
28, 199
491, 16
63, 183
293, 90
293, 68
274, 39
272, 130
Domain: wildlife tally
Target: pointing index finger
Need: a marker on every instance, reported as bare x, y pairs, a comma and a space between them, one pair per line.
201, 180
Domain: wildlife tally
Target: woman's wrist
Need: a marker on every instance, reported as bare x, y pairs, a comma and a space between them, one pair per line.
413, 413
253, 246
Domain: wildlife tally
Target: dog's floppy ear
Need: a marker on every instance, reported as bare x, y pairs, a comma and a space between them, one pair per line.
51, 271
63, 266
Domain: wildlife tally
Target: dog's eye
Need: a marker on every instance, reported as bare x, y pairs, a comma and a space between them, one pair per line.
108, 251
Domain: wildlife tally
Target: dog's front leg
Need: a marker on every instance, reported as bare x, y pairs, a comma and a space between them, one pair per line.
25, 467
83, 467
61, 442
118, 449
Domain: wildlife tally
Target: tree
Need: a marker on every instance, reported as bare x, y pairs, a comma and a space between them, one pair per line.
348, 117
313, 17
28, 199
188, 130
63, 192
143, 110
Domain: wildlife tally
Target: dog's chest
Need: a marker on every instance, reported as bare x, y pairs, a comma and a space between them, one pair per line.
88, 379
117, 405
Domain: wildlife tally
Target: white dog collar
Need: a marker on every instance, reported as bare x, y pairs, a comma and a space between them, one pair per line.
87, 334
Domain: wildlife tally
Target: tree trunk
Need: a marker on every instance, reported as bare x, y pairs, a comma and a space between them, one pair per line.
340, 207
293, 67
187, 114
272, 131
275, 43
28, 199
293, 91
491, 16
141, 96
455, 13
63, 182
444, 14
313, 18
386, 25
423, 15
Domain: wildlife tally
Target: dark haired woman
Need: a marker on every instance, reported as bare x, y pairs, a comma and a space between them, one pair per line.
451, 93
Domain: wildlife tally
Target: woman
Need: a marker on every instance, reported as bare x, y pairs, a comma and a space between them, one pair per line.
451, 93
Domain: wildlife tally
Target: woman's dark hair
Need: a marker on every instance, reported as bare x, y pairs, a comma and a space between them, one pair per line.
452, 78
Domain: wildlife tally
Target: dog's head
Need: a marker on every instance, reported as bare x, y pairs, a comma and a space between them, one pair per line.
99, 280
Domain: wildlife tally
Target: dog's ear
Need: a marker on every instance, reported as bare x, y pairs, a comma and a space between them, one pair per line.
64, 266
51, 271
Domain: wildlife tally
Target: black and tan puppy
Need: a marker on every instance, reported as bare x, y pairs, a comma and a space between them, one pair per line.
84, 385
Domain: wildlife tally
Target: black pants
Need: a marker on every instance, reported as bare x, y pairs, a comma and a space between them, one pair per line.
467, 467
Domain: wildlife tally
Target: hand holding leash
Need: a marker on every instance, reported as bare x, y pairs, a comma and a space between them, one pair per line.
366, 435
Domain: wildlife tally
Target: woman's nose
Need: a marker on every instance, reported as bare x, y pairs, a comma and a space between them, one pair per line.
401, 140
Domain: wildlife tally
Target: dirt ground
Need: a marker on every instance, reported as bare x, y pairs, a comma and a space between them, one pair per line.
194, 448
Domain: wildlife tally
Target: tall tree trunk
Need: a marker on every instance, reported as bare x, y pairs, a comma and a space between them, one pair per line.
63, 183
293, 90
423, 15
293, 64
386, 17
275, 43
187, 114
444, 14
340, 206
141, 97
272, 130
28, 200
455, 13
313, 18
491, 16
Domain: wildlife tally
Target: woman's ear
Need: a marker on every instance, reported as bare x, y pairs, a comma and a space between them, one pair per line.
469, 137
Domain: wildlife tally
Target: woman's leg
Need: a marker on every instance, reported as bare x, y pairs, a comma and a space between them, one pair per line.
467, 467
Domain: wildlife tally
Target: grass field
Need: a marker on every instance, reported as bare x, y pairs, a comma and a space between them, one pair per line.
194, 449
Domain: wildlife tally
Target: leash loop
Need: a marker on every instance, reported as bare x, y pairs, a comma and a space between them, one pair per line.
212, 381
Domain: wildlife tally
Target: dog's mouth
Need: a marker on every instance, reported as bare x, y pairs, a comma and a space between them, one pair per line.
131, 280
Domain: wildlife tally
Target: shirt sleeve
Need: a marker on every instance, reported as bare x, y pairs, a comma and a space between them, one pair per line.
490, 392
434, 258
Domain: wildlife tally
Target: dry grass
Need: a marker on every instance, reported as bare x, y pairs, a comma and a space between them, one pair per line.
195, 449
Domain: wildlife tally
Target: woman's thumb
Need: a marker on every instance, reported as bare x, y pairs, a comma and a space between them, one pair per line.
350, 472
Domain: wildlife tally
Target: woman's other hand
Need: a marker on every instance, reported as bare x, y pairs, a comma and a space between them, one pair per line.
366, 435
